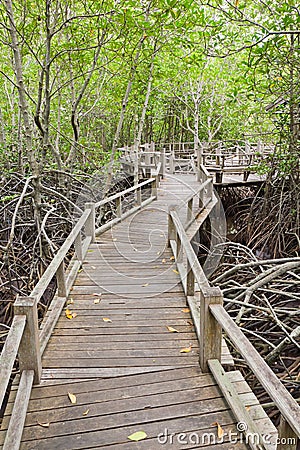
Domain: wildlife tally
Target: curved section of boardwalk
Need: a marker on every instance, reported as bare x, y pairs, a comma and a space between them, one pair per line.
130, 356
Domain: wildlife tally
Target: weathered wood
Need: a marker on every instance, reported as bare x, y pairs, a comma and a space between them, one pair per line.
210, 330
10, 351
90, 222
15, 429
287, 438
123, 193
78, 248
233, 399
61, 280
119, 206
29, 349
189, 252
190, 280
51, 270
276, 390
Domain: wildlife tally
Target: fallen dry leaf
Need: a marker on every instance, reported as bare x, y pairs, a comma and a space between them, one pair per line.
186, 349
97, 295
106, 319
70, 315
45, 425
185, 310
176, 271
72, 398
137, 436
145, 285
70, 301
164, 261
220, 430
96, 301
172, 258
86, 412
172, 330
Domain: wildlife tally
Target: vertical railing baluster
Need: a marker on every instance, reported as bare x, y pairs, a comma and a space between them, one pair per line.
211, 331
61, 280
29, 349
90, 222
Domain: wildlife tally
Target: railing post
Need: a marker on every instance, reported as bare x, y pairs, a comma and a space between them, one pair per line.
171, 226
171, 162
210, 188
287, 437
90, 222
189, 212
210, 330
119, 207
190, 280
61, 280
29, 349
199, 154
139, 196
201, 198
154, 186
78, 247
163, 162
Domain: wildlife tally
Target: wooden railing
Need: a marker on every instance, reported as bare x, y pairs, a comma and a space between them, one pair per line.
211, 319
25, 339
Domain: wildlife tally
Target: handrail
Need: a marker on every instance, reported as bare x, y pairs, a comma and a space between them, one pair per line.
9, 352
214, 319
24, 337
286, 404
58, 259
122, 193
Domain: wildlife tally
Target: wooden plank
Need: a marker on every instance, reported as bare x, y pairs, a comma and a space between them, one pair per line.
183, 359
118, 434
14, 432
276, 390
235, 403
10, 351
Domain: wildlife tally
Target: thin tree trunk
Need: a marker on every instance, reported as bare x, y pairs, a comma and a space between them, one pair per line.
122, 115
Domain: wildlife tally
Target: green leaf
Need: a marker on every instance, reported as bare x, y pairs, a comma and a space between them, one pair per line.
137, 436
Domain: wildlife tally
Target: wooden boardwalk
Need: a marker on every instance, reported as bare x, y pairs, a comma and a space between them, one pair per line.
131, 354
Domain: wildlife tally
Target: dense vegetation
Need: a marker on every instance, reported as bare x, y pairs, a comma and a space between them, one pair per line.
80, 79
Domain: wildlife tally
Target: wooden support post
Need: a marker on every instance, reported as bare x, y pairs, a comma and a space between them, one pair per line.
199, 162
287, 437
163, 162
171, 226
219, 176
29, 349
61, 280
190, 281
201, 198
171, 161
119, 207
90, 222
210, 330
178, 249
210, 188
78, 247
189, 213
139, 196
154, 186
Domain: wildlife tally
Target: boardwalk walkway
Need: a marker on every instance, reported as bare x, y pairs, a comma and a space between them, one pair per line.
132, 322
118, 357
